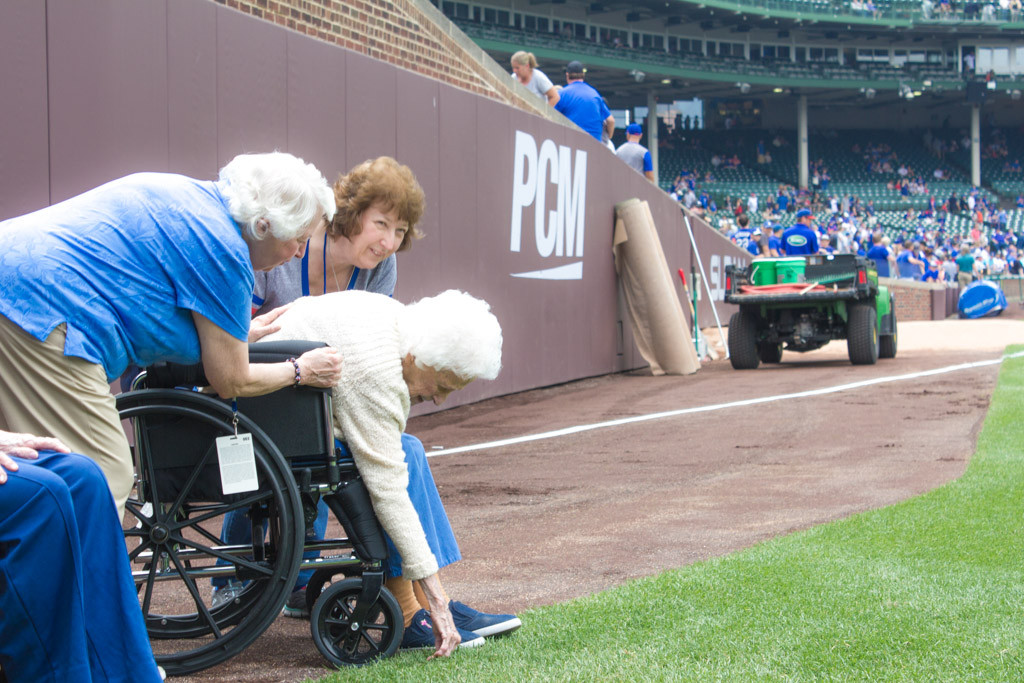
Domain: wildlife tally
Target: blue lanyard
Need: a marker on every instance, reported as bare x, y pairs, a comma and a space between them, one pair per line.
305, 270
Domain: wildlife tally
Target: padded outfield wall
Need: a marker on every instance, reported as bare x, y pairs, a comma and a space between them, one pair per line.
520, 208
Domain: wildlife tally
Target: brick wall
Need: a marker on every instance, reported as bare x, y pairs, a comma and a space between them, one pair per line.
411, 34
920, 300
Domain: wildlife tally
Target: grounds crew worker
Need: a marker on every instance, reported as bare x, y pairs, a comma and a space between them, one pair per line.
800, 239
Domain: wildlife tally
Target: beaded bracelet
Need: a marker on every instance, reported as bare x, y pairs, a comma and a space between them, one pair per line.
298, 373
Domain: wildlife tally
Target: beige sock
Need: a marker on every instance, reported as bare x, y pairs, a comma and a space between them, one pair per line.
403, 592
421, 597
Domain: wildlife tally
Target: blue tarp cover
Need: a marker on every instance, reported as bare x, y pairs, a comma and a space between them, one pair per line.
980, 299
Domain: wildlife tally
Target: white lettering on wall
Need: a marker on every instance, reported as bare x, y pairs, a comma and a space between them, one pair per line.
558, 232
716, 274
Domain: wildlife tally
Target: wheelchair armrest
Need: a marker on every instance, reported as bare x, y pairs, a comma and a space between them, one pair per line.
170, 375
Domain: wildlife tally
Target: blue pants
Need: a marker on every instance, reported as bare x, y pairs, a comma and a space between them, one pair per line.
237, 529
68, 607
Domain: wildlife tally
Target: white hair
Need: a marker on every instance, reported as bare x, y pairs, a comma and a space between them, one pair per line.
452, 331
281, 188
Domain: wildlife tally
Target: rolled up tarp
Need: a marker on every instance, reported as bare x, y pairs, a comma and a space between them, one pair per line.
655, 313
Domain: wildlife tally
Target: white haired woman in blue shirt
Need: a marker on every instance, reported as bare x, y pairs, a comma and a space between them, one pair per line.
150, 267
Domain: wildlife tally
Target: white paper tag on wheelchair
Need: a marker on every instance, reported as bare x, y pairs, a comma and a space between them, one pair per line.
237, 464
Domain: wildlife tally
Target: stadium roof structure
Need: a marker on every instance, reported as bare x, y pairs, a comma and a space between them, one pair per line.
626, 76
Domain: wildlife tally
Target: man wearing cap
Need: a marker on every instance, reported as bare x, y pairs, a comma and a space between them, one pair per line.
800, 239
635, 154
583, 105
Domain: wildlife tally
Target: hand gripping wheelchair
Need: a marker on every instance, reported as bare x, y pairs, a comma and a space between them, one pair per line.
174, 517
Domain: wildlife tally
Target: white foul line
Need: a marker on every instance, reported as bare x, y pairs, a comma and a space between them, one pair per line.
720, 406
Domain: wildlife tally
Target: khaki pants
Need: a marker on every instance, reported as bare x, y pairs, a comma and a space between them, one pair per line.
963, 279
46, 393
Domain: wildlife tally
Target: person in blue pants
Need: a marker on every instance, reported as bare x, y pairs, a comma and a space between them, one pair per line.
68, 607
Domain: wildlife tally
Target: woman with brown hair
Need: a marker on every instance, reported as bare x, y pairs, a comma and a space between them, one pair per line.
378, 204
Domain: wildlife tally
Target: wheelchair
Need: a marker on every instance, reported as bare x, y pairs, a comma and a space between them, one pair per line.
173, 521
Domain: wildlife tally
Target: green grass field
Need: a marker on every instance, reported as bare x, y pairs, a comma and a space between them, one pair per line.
931, 589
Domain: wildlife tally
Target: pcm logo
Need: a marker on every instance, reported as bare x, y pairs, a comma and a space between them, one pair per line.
558, 231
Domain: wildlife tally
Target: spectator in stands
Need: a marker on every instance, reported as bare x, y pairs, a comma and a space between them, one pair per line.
908, 265
524, 69
58, 525
1014, 266
932, 270
782, 200
743, 233
754, 244
639, 157
583, 105
800, 239
998, 265
689, 197
881, 254
980, 269
965, 267
949, 268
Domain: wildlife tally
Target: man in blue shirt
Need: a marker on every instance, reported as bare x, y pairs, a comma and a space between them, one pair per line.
910, 267
754, 244
800, 239
775, 241
880, 254
583, 105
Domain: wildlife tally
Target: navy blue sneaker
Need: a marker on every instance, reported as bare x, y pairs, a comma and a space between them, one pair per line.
420, 634
482, 624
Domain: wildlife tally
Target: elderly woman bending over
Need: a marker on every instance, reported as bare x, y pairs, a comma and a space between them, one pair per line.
150, 267
397, 356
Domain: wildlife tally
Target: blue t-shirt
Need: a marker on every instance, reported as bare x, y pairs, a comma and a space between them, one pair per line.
880, 255
124, 265
289, 281
799, 240
906, 268
775, 243
741, 237
583, 105
754, 248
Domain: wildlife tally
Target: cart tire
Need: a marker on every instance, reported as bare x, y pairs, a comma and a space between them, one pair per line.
887, 344
743, 352
862, 334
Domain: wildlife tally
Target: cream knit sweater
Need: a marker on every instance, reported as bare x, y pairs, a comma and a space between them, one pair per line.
371, 405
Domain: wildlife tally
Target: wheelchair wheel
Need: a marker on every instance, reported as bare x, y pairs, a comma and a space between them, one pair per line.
344, 643
173, 526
